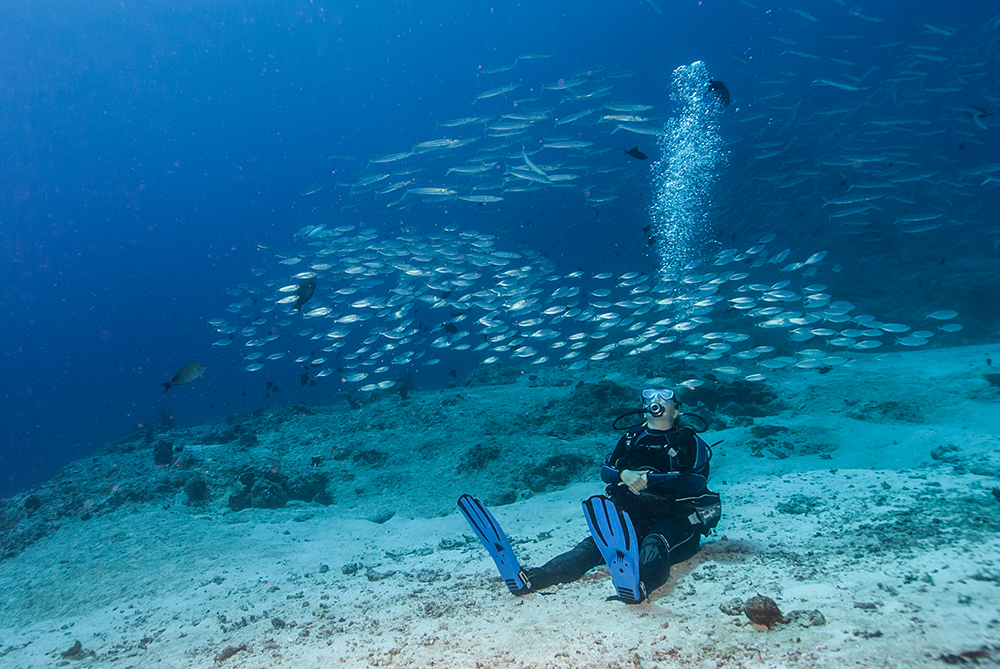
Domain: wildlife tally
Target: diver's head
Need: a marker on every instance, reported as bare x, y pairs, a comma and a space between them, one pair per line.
662, 406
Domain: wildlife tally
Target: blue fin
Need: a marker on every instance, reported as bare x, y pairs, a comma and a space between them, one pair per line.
495, 541
615, 536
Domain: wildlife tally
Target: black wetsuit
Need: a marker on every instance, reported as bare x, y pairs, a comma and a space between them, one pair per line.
677, 462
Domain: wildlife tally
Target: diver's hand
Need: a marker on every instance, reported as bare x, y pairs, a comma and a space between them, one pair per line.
636, 481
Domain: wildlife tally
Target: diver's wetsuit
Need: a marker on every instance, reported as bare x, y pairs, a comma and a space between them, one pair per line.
678, 464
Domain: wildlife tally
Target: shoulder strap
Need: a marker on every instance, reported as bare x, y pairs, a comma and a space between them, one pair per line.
703, 453
633, 434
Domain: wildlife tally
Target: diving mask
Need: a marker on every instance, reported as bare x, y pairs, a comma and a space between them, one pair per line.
655, 400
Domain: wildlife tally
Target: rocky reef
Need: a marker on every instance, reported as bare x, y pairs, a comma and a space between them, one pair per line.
505, 434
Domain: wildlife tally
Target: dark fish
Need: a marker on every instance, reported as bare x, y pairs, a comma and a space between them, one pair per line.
720, 90
650, 237
636, 153
184, 375
978, 115
450, 328
305, 292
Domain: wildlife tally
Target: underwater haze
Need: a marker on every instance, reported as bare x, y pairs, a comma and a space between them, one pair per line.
168, 165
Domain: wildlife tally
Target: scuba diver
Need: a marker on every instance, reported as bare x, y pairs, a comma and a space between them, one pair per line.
655, 509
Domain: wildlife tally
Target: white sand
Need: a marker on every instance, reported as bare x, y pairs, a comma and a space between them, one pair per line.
899, 552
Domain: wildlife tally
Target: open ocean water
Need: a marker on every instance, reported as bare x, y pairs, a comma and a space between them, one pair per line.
455, 180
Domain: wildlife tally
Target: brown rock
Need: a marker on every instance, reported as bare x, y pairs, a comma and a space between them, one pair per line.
763, 611
74, 651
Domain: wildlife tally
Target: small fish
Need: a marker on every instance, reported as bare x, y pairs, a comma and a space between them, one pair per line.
978, 114
947, 31
184, 375
911, 341
568, 144
628, 109
867, 17
803, 54
640, 129
575, 117
635, 153
918, 218
481, 199
533, 56
433, 192
497, 70
654, 7
924, 227
462, 121
493, 92
312, 189
815, 258
532, 166
838, 84
389, 157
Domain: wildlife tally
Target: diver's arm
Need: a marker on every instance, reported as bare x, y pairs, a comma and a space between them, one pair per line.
609, 471
610, 475
675, 483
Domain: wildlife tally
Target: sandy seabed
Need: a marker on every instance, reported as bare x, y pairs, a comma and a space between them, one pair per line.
883, 532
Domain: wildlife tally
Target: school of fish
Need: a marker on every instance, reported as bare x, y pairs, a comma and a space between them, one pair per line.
854, 151
859, 136
381, 306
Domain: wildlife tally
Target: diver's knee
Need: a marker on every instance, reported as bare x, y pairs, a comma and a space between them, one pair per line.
654, 547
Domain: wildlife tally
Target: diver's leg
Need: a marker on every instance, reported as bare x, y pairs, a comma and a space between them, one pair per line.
566, 567
668, 542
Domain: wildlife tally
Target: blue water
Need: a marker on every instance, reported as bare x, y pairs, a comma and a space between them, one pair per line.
151, 150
